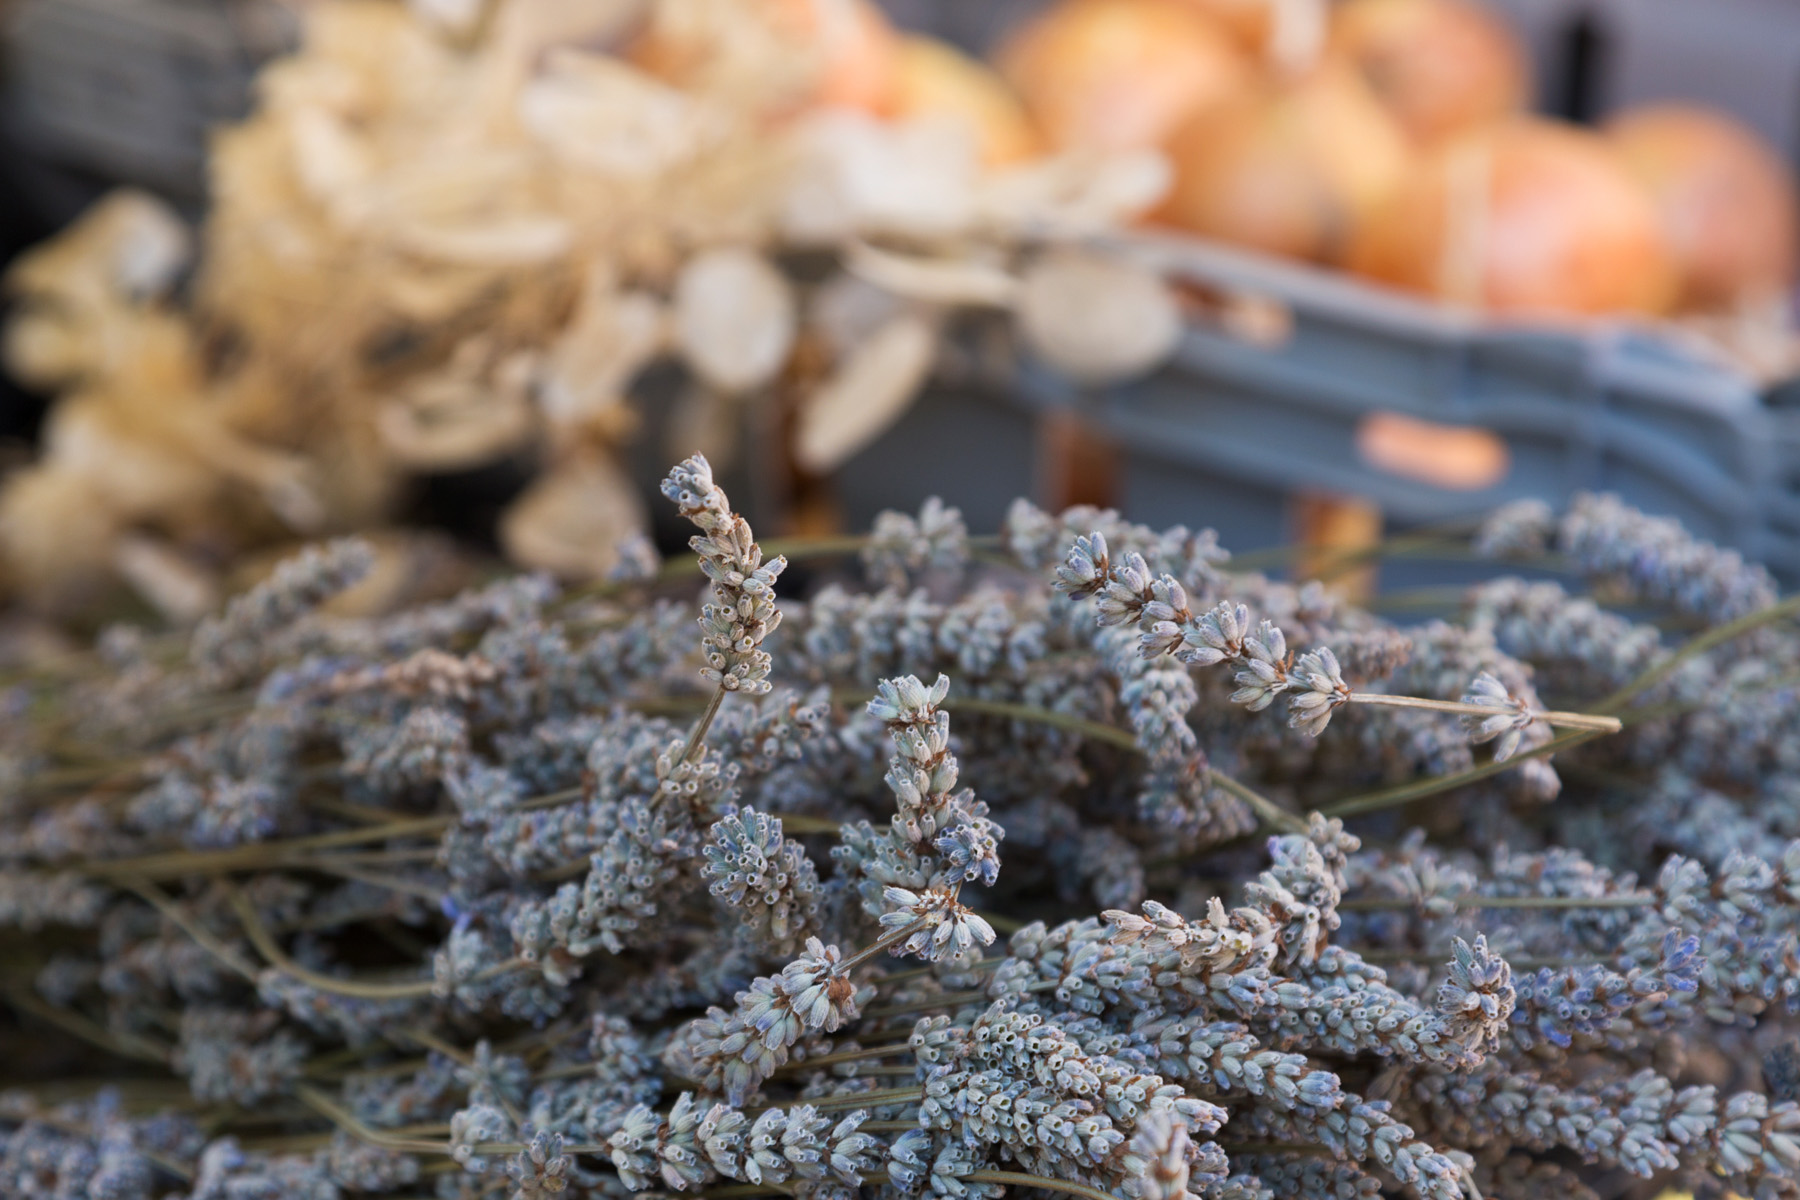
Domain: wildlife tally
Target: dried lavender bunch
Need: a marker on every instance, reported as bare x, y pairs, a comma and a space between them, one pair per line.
1126, 594
232, 647
489, 899
1651, 558
743, 584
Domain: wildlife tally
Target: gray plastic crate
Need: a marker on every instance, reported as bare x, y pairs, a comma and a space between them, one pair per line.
1596, 407
974, 444
1230, 431
130, 89
1224, 434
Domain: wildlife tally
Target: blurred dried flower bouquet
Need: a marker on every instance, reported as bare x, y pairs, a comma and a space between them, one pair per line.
455, 232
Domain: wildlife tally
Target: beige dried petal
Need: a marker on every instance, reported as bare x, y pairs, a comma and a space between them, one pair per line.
56, 533
461, 415
855, 175
955, 281
704, 422
734, 318
1097, 318
867, 393
430, 293
329, 159
458, 18
730, 51
1078, 193
150, 350
127, 244
455, 186
845, 310
527, 29
502, 242
153, 246
288, 483
133, 471
180, 589
571, 520
598, 113
612, 337
44, 350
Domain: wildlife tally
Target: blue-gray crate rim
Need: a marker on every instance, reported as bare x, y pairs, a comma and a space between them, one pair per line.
1592, 405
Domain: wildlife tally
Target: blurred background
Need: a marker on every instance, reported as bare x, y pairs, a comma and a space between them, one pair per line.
470, 273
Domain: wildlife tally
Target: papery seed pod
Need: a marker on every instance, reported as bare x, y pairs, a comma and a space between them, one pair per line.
572, 518
1097, 319
955, 282
734, 318
866, 393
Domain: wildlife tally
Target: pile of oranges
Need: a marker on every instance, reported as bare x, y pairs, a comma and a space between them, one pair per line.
1389, 138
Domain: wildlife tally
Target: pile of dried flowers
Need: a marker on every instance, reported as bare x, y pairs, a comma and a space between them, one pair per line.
456, 234
500, 898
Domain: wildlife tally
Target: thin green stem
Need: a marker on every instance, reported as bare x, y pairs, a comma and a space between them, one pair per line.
854, 1100
1569, 720
124, 1045
879, 944
1094, 730
1418, 790
287, 851
265, 945
211, 944
283, 852
798, 824
1002, 923
356, 812
1275, 556
832, 1060
1313, 1149
1385, 903
927, 1004
734, 1191
697, 739
986, 964
393, 883
1266, 810
1695, 646
328, 1108
1020, 1179
1446, 596
432, 1042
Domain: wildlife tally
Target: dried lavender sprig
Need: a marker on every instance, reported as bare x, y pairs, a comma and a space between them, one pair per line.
228, 649
1469, 707
1435, 785
1660, 560
732, 1053
743, 585
900, 545
1127, 594
938, 839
